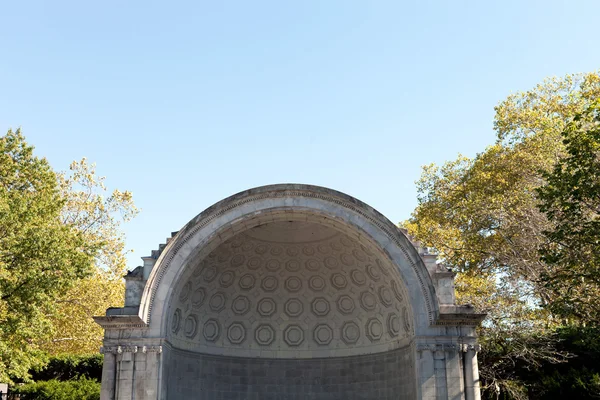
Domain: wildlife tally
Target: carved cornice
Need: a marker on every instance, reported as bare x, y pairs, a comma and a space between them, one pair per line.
448, 347
473, 347
130, 349
433, 347
120, 322
437, 347
458, 315
458, 321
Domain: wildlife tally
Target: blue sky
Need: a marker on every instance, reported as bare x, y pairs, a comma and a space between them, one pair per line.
185, 103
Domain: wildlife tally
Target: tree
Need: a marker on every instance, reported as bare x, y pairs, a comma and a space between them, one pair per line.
570, 198
62, 257
74, 331
98, 217
482, 216
40, 256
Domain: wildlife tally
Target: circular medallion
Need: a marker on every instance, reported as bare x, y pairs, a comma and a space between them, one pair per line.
397, 291
176, 321
316, 283
240, 305
292, 265
320, 306
211, 330
350, 332
382, 267
276, 250
264, 334
261, 249
266, 307
393, 323
247, 282
385, 296
293, 284
331, 262
272, 264
227, 278
185, 291
373, 272
189, 327
236, 333
336, 246
368, 301
339, 281
406, 318
293, 335
198, 297
293, 307
308, 250
210, 273
253, 263
237, 260
313, 264
345, 304
322, 334
374, 329
217, 302
347, 259
323, 249
269, 283
358, 277
345, 241
359, 255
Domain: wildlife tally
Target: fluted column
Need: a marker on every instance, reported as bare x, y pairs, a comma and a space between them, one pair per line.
109, 370
471, 369
125, 368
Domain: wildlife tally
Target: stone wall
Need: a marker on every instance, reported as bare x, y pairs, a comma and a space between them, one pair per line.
387, 375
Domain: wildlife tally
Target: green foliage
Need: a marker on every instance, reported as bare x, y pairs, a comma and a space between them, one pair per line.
577, 379
40, 257
571, 200
62, 257
98, 214
81, 389
481, 215
70, 367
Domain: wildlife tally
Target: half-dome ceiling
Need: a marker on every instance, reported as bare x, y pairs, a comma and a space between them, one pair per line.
290, 289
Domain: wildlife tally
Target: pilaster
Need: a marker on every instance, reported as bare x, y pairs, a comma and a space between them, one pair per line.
131, 372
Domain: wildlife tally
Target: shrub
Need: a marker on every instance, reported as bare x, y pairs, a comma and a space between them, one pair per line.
69, 367
81, 389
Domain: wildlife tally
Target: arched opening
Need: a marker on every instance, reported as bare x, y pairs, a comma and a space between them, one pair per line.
293, 305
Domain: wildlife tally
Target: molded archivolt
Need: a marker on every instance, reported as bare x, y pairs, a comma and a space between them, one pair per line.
360, 266
290, 290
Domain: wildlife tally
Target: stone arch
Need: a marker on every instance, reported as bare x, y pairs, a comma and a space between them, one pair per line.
256, 206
